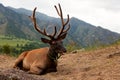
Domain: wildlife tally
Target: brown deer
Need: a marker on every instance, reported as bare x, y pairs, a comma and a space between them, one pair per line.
43, 60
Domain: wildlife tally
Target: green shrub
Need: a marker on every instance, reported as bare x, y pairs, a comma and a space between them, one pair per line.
6, 49
72, 46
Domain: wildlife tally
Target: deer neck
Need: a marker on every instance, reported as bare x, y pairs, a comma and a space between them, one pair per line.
52, 54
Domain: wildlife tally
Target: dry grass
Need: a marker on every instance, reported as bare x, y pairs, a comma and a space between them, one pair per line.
103, 64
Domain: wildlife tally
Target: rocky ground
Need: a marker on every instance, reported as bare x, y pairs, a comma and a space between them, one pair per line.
101, 64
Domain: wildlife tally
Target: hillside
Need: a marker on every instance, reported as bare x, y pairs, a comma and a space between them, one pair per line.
15, 22
101, 64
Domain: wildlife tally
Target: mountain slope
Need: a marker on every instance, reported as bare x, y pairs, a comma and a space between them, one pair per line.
15, 22
88, 34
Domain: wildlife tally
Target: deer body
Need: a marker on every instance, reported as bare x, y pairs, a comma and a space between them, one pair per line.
39, 61
37, 56
36, 61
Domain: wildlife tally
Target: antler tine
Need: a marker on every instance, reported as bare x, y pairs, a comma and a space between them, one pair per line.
62, 20
66, 29
33, 18
61, 15
55, 31
52, 36
67, 20
57, 10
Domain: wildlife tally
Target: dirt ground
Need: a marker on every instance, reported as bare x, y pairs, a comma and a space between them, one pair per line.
102, 64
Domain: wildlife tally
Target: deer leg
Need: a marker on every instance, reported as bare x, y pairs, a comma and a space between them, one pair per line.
18, 63
35, 70
52, 69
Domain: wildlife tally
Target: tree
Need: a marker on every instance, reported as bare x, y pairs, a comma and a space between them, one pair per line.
6, 49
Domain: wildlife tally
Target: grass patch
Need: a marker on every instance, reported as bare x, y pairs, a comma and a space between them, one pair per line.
12, 41
14, 46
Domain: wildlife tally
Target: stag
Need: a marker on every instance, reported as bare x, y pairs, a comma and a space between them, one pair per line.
43, 60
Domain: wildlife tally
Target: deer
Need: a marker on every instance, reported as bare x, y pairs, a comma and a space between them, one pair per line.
45, 60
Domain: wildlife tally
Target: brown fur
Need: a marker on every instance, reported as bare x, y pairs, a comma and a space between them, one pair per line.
36, 61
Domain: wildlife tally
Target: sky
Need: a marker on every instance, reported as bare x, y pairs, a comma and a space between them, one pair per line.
104, 13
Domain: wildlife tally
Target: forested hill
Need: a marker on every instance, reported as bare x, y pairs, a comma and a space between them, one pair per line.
15, 22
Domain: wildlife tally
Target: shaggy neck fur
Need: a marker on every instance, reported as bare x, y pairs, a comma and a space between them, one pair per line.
53, 55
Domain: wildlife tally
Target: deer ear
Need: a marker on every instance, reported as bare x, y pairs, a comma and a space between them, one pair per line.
62, 36
45, 40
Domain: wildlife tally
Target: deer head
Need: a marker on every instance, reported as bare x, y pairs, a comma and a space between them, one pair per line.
55, 39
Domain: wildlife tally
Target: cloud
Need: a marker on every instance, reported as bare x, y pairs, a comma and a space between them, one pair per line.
112, 5
105, 13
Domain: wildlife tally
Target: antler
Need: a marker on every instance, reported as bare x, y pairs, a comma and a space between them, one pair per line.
52, 36
62, 21
33, 18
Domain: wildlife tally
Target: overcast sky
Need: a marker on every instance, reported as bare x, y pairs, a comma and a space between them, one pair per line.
105, 13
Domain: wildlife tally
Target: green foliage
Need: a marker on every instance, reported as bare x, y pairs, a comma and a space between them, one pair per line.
117, 42
12, 41
30, 46
6, 49
14, 46
72, 46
